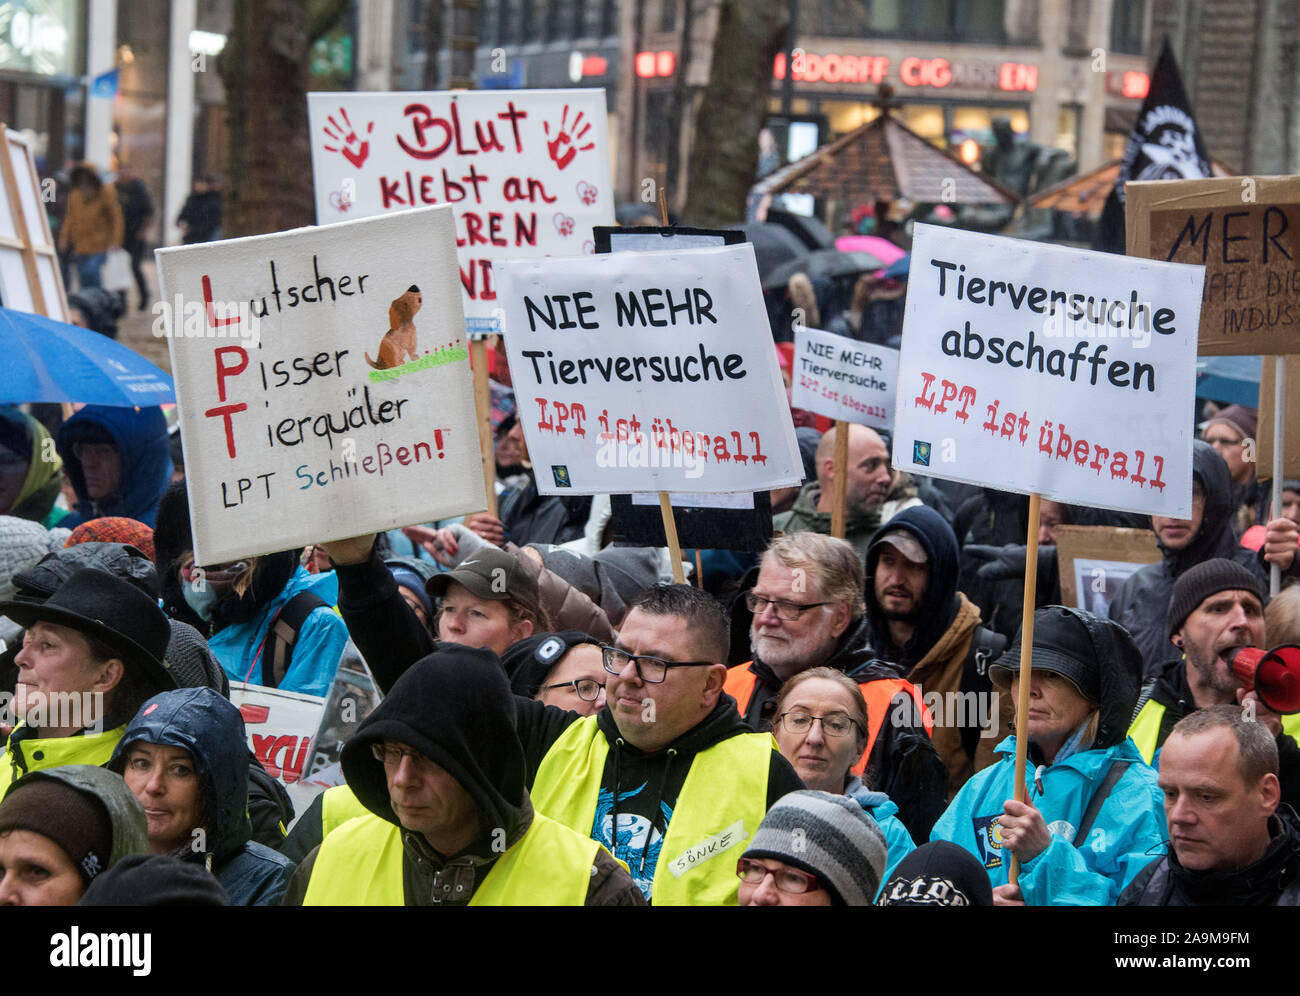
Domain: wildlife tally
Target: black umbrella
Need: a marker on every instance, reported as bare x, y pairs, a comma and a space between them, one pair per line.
810, 231
773, 244
823, 263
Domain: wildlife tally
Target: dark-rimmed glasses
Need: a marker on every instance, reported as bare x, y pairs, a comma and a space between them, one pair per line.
790, 880
785, 611
588, 689
835, 724
651, 670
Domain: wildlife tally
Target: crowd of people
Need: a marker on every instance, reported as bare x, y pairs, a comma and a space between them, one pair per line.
827, 721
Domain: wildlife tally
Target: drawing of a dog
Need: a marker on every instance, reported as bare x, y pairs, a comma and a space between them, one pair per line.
399, 340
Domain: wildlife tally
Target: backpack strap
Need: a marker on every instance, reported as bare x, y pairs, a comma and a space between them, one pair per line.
1113, 775
284, 634
986, 646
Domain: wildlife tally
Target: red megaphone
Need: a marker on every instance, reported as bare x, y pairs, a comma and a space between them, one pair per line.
1273, 674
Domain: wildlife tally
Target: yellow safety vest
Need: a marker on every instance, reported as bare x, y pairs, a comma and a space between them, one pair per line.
360, 864
23, 756
338, 805
1145, 730
720, 806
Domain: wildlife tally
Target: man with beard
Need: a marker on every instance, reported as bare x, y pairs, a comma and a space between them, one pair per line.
868, 482
1217, 608
932, 632
808, 612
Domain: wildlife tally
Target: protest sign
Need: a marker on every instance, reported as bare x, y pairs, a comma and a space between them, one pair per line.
654, 238
353, 696
711, 522
1040, 369
1266, 462
1245, 231
1095, 560
527, 171
844, 379
293, 431
280, 726
648, 372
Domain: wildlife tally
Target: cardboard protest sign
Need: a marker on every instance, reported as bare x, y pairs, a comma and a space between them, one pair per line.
280, 726
1245, 231
708, 522
527, 171
323, 383
648, 372
1095, 560
1036, 368
1291, 437
844, 379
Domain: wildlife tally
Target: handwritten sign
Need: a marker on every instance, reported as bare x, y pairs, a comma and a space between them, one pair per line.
280, 727
648, 372
844, 379
1032, 367
527, 171
323, 383
1245, 231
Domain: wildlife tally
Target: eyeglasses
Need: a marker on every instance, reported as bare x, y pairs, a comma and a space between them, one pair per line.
588, 689
790, 880
1222, 441
95, 452
390, 755
836, 724
786, 611
651, 670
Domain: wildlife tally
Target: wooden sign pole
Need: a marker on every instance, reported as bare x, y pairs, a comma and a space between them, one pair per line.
483, 408
840, 478
1279, 470
1026, 662
665, 503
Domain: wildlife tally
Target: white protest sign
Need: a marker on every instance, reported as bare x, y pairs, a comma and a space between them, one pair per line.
323, 383
527, 171
280, 727
648, 372
844, 379
1031, 367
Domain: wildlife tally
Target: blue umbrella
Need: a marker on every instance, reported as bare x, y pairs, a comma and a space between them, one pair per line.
47, 360
1230, 379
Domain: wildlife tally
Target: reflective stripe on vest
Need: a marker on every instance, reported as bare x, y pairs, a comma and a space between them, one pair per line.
1145, 731
338, 805
360, 864
721, 803
878, 694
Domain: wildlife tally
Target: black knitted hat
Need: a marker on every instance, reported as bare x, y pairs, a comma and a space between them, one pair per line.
1205, 579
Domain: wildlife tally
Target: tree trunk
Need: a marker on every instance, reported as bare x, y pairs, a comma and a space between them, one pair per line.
264, 70
434, 17
724, 154
680, 98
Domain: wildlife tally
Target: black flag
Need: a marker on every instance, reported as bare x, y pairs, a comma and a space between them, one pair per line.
1165, 144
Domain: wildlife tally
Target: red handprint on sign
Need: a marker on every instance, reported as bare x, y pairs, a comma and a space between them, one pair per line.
563, 147
356, 149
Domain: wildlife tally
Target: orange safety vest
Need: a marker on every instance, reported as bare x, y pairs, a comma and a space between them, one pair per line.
878, 693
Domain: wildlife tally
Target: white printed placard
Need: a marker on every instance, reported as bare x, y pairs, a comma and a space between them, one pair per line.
280, 727
648, 372
323, 383
1032, 367
526, 171
844, 379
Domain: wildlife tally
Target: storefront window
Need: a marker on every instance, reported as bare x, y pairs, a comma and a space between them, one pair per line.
926, 120
1067, 130
843, 116
41, 36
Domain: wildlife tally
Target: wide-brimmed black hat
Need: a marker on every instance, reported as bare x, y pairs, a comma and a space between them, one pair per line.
111, 610
1062, 645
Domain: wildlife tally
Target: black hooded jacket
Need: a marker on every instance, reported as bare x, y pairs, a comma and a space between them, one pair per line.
1273, 880
455, 707
1141, 604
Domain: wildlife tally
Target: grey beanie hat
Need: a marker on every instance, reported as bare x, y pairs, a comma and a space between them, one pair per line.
829, 836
